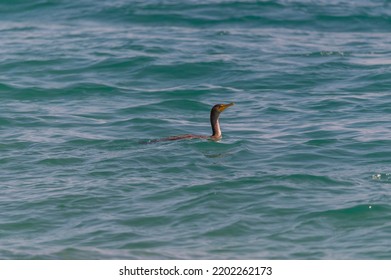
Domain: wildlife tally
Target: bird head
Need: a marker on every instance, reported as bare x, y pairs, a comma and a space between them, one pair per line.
221, 107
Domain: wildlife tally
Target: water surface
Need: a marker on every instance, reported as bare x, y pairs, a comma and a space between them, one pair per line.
303, 169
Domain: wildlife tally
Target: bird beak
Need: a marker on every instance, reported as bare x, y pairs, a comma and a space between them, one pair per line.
225, 106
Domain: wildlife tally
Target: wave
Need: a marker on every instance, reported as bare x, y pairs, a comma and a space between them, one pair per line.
358, 15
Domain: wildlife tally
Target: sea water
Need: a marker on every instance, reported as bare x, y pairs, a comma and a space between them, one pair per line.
303, 170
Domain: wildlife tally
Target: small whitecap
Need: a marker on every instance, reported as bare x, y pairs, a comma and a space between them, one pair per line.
385, 177
376, 176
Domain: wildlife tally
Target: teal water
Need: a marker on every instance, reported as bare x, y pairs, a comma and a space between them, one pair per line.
304, 167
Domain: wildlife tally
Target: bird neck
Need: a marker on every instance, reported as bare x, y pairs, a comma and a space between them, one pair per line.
214, 121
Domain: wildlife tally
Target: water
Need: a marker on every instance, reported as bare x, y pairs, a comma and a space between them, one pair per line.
303, 169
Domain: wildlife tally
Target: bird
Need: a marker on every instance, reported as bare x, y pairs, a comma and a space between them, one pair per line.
214, 122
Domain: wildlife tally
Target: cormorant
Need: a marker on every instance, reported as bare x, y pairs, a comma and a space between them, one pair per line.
214, 122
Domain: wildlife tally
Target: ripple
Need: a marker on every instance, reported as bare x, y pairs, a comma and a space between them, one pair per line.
300, 173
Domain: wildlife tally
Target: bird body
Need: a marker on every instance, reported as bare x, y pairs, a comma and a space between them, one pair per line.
214, 122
